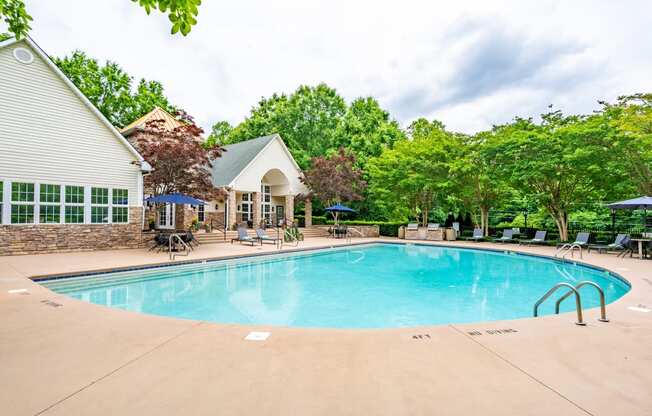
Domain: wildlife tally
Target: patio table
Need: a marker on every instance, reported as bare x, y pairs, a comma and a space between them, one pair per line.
640, 242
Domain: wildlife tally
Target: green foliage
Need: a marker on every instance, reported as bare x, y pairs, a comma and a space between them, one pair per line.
13, 13
219, 133
111, 90
413, 177
315, 121
182, 15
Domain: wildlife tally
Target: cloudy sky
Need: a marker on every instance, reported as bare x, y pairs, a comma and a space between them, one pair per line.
470, 64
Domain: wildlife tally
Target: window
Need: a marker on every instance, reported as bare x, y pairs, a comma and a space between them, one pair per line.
99, 205
201, 213
1, 200
246, 207
22, 203
120, 210
266, 205
74, 205
49, 204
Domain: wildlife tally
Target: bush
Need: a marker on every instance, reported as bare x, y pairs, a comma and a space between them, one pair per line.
316, 220
388, 229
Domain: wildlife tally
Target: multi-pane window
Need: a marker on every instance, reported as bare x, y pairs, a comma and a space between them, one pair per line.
22, 203
49, 204
120, 210
246, 206
74, 204
266, 205
201, 213
99, 205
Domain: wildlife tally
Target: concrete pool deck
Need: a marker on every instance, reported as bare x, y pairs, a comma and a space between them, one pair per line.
60, 356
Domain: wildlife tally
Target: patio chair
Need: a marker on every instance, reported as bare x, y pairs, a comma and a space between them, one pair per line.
160, 241
262, 236
243, 237
189, 238
621, 243
539, 238
433, 226
507, 237
582, 240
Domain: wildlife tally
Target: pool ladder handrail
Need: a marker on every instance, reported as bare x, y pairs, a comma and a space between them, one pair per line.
177, 237
603, 306
578, 301
569, 248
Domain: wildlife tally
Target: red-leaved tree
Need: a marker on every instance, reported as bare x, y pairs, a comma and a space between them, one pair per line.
334, 179
179, 161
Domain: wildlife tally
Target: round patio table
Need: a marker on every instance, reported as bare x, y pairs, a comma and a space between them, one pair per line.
640, 245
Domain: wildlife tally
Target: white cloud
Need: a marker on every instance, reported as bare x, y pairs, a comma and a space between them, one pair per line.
469, 64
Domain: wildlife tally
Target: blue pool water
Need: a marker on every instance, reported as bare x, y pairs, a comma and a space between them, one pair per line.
372, 286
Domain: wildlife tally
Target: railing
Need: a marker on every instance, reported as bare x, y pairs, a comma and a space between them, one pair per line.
568, 248
172, 242
603, 307
578, 301
221, 226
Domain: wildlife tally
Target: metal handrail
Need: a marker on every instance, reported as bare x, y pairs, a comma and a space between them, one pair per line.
578, 301
183, 243
569, 248
221, 227
603, 307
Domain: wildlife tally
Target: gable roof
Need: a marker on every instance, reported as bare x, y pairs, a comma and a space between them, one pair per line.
169, 121
145, 167
236, 158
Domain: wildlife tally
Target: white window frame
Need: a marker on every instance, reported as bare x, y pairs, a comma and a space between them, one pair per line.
6, 202
109, 197
33, 203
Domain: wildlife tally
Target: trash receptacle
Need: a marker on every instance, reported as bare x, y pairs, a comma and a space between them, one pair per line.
450, 234
401, 232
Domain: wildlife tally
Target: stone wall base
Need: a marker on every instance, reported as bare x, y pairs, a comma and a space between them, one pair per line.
53, 238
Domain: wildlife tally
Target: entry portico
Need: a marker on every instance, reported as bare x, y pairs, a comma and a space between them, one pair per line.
261, 180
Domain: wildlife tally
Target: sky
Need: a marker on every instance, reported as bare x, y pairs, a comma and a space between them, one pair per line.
469, 64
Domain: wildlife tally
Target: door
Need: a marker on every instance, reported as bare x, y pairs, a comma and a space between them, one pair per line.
280, 214
166, 216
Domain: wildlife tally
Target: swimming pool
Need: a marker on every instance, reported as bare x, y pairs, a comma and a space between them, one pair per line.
366, 286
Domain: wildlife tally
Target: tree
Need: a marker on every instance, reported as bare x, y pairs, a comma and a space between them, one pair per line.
413, 177
366, 130
306, 120
559, 163
335, 178
180, 162
219, 133
109, 88
478, 181
631, 138
181, 13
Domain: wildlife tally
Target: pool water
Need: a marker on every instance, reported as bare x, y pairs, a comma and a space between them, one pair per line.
370, 286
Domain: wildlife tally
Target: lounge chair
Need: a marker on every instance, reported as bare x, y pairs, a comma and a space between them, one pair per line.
262, 236
539, 238
243, 237
507, 237
621, 243
581, 240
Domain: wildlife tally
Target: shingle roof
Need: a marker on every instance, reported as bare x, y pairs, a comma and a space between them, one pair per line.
236, 158
169, 122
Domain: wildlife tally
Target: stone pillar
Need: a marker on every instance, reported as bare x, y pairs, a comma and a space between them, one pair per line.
289, 208
183, 216
308, 205
256, 214
232, 208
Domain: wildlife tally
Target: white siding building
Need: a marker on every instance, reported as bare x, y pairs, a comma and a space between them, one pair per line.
68, 179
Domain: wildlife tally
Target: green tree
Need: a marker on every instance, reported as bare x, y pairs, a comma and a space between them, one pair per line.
366, 130
307, 120
559, 163
631, 138
109, 88
182, 14
219, 133
479, 184
412, 178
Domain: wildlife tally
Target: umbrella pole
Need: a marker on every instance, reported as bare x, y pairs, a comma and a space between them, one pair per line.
613, 224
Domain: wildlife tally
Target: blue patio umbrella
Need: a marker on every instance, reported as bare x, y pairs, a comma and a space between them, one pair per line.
175, 198
337, 208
